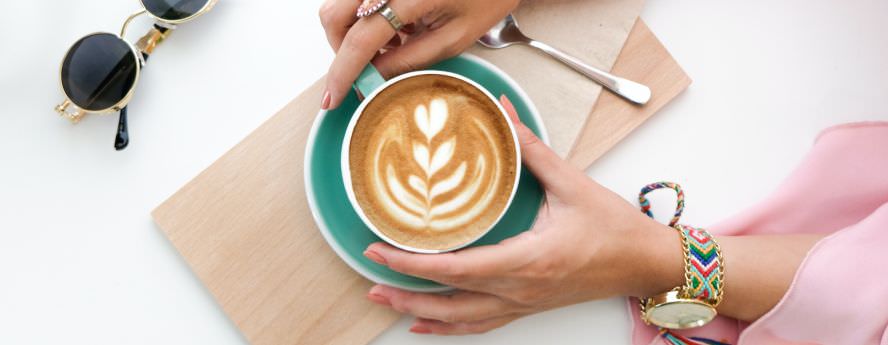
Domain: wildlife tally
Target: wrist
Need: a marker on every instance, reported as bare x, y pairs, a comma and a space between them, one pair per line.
657, 263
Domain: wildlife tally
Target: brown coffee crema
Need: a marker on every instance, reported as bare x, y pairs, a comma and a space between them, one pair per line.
432, 162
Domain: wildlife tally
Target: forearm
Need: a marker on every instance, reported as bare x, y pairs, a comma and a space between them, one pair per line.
758, 269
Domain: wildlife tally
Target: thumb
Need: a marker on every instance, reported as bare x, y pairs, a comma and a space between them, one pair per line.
468, 268
557, 175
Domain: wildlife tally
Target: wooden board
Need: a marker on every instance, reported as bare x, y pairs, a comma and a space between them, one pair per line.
244, 227
643, 59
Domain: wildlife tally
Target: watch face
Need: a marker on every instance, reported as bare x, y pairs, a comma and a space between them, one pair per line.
681, 314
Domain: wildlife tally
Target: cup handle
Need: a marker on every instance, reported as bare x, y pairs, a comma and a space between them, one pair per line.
368, 81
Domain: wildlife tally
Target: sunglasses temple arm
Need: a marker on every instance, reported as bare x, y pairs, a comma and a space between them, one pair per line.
146, 46
122, 139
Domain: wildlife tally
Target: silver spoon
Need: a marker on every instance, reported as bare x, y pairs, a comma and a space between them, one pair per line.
506, 33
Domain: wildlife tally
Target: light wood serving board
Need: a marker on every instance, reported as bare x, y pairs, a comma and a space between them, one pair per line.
643, 59
244, 226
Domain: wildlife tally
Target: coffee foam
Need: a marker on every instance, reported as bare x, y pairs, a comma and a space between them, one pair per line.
432, 162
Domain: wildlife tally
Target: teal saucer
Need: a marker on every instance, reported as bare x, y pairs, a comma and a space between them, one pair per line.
341, 226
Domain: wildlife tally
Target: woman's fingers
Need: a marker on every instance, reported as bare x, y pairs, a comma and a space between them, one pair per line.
418, 52
427, 326
337, 16
462, 306
468, 268
360, 44
557, 175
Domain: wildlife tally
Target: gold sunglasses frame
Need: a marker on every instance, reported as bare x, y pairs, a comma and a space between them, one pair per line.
145, 44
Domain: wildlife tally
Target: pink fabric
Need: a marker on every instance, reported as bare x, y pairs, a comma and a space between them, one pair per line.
840, 292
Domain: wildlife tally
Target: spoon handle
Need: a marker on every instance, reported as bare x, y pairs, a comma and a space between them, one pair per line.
630, 90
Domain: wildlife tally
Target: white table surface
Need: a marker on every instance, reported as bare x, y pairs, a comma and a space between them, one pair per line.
82, 262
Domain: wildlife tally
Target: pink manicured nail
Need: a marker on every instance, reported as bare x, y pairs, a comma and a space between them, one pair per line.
510, 109
419, 329
379, 299
325, 103
375, 257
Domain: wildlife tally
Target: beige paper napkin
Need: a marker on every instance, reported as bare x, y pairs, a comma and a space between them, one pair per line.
593, 31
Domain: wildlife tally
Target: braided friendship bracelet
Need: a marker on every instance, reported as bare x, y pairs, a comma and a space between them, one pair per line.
704, 273
646, 205
704, 264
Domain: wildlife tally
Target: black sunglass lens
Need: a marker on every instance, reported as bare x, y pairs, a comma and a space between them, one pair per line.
99, 71
174, 9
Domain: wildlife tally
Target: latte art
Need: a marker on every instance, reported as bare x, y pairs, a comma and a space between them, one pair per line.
422, 206
434, 166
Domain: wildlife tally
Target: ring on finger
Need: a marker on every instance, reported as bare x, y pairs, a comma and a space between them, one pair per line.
369, 7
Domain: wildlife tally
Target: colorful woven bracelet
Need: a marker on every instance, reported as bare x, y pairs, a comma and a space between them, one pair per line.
704, 273
704, 264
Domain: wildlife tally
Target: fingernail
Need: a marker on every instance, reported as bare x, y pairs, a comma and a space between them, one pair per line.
375, 257
377, 290
420, 329
379, 299
325, 103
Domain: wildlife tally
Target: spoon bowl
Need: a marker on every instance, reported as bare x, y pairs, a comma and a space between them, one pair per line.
503, 34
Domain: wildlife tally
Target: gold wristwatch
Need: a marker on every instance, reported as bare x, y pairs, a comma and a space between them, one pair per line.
693, 304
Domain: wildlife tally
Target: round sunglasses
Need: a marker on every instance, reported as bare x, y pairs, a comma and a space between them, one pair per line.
100, 71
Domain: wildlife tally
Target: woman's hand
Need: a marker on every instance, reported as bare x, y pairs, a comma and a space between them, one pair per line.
434, 30
588, 243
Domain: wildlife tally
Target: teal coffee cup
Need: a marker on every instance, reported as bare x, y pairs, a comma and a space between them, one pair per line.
395, 197
338, 221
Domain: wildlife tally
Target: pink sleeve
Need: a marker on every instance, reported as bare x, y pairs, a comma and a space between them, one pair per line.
842, 180
840, 293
